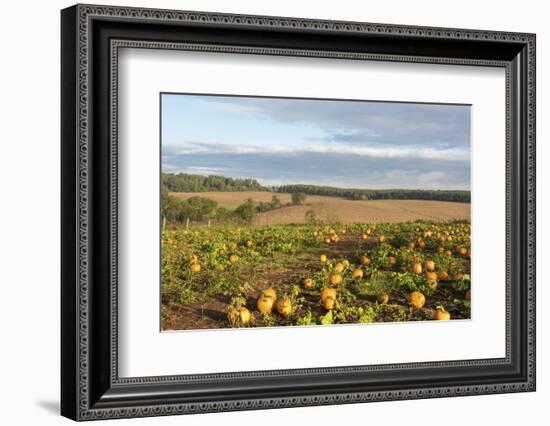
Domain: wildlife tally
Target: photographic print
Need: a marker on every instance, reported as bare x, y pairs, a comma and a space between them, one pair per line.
215, 189
312, 212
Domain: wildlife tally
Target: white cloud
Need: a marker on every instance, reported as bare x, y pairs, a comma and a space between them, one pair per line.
233, 108
169, 167
205, 170
392, 122
412, 152
394, 152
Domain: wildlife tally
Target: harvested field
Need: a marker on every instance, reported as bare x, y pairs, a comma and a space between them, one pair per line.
236, 198
332, 209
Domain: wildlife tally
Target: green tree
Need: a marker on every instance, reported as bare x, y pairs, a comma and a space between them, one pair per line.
199, 208
184, 182
170, 206
246, 211
275, 202
221, 213
298, 198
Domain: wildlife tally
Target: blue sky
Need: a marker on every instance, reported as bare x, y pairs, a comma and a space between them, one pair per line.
324, 142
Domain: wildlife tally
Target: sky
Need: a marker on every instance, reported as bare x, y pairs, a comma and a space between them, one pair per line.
352, 144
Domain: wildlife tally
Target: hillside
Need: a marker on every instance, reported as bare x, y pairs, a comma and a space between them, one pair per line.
338, 209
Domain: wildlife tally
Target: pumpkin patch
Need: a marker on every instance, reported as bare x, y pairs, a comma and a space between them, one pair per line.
297, 274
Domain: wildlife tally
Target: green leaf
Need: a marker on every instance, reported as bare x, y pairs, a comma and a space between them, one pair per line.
327, 318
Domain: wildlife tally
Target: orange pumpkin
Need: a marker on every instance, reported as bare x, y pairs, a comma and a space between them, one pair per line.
270, 292
284, 306
328, 293
365, 260
383, 298
429, 265
357, 274
431, 276
441, 314
417, 299
265, 304
336, 279
328, 303
244, 315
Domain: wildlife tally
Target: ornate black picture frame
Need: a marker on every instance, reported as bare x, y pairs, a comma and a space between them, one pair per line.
91, 37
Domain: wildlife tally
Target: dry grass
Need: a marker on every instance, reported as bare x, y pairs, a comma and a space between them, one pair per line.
236, 198
338, 209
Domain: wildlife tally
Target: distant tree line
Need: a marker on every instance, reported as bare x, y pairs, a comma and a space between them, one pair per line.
378, 194
183, 182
